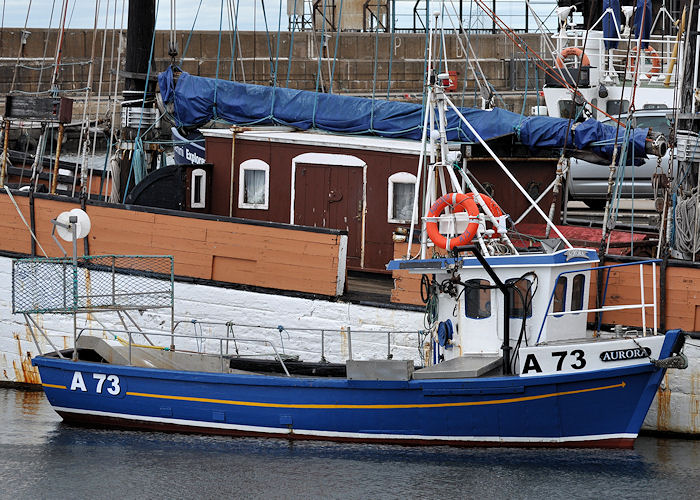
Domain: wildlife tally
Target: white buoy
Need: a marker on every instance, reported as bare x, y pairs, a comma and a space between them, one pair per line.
65, 229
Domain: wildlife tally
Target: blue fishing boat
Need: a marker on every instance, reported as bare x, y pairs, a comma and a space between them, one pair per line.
506, 355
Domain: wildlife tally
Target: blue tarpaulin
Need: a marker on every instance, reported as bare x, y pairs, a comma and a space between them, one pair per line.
611, 22
196, 100
642, 21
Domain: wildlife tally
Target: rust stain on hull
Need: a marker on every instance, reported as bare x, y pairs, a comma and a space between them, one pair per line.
663, 414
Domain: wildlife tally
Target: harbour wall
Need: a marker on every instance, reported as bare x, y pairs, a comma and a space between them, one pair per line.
396, 63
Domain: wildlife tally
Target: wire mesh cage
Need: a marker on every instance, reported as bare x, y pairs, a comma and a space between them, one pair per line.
101, 282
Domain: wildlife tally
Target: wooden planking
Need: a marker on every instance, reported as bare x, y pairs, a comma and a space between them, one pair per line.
15, 236
284, 258
406, 285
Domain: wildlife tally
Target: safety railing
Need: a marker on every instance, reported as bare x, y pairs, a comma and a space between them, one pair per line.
221, 341
320, 333
616, 57
228, 344
643, 305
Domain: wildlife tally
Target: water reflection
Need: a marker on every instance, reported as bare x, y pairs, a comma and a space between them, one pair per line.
57, 458
29, 401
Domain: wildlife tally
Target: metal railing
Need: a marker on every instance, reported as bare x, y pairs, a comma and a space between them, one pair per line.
321, 332
221, 340
643, 305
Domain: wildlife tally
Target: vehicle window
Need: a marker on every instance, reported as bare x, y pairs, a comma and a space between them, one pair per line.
657, 123
478, 300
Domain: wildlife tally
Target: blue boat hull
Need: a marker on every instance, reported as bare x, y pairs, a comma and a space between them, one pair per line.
597, 408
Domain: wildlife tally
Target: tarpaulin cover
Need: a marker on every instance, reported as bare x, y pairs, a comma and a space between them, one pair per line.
611, 23
198, 99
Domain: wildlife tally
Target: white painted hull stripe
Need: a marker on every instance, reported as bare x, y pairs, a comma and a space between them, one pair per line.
347, 435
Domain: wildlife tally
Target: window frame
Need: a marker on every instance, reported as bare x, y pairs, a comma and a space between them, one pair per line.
198, 172
565, 281
577, 299
481, 281
512, 296
398, 178
253, 164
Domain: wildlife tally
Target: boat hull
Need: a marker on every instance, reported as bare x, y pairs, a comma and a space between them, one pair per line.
602, 408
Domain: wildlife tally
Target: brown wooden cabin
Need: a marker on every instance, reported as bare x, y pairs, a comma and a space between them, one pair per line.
358, 184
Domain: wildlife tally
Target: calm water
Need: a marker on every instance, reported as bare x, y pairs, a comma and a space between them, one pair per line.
42, 458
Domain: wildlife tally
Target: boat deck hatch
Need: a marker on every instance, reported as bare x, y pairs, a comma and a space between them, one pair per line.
469, 366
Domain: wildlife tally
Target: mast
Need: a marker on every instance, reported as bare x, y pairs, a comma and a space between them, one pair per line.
142, 22
139, 112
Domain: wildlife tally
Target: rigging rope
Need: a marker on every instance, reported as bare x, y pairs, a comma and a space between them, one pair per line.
335, 52
46, 43
189, 37
291, 43
318, 67
21, 45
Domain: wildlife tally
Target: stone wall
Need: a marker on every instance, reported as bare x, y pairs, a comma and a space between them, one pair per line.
399, 59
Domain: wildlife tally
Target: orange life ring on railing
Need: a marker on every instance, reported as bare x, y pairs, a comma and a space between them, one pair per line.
458, 202
496, 210
572, 51
655, 61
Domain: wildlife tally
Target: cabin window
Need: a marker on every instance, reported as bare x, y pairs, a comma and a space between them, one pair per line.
402, 187
254, 185
478, 299
569, 109
519, 292
198, 189
577, 292
617, 106
560, 295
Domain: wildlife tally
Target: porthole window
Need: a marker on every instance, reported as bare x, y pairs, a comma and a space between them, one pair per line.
401, 191
254, 185
577, 292
478, 299
198, 188
560, 295
519, 292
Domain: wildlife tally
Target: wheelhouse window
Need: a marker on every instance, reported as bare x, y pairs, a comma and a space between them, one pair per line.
617, 106
577, 292
520, 297
478, 299
400, 201
254, 185
198, 189
569, 109
559, 295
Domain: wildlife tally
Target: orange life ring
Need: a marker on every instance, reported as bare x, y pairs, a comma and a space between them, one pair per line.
458, 202
655, 61
572, 51
496, 210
